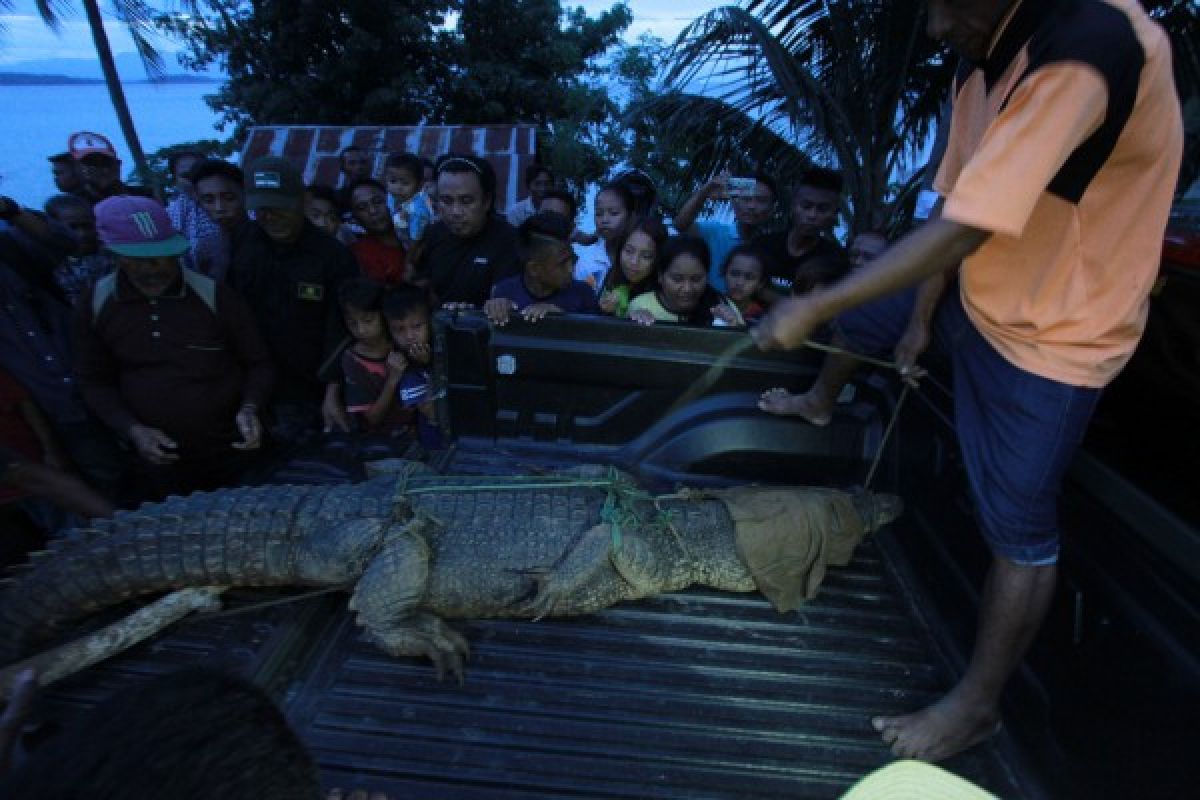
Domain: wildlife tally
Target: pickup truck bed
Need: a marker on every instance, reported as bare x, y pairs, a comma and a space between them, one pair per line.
698, 694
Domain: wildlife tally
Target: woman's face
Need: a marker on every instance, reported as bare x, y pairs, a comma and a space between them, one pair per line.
611, 215
743, 277
637, 257
683, 283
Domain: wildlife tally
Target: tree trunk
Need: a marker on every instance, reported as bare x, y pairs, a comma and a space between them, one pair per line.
117, 94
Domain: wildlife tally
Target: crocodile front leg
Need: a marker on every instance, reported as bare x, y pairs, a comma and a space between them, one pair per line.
386, 599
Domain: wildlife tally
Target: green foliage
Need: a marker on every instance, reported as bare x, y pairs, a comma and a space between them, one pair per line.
351, 62
783, 82
396, 62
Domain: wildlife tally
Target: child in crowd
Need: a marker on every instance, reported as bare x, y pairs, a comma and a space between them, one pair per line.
322, 210
408, 312
404, 176
683, 293
638, 252
371, 368
546, 285
745, 274
613, 212
821, 269
560, 201
88, 263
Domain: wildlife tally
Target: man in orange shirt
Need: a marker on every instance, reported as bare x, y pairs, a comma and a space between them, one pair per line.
1063, 156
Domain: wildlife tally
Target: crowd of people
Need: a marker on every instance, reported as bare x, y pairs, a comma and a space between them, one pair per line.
163, 346
253, 307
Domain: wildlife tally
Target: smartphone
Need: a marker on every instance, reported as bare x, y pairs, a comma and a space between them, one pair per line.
741, 187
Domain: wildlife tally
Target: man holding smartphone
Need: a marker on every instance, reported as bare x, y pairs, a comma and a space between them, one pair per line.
753, 200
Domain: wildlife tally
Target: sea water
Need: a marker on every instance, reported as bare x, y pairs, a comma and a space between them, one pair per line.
35, 122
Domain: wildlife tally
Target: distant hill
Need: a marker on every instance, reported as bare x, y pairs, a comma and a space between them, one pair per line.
40, 79
70, 70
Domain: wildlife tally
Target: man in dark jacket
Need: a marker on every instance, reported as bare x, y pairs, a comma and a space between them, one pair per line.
168, 358
289, 273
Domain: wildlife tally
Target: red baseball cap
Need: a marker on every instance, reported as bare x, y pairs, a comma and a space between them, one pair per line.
86, 143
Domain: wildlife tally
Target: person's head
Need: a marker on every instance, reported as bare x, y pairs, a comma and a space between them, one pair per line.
683, 273
745, 272
866, 247
180, 164
138, 231
642, 192
819, 270
407, 311
97, 159
559, 201
403, 174
815, 201
220, 191
361, 301
275, 192
613, 211
356, 164
368, 206
637, 255
187, 735
466, 193
968, 26
321, 208
538, 180
755, 208
75, 214
65, 172
546, 248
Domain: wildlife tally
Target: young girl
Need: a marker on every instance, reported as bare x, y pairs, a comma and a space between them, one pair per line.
637, 257
614, 207
745, 273
371, 368
683, 293
404, 175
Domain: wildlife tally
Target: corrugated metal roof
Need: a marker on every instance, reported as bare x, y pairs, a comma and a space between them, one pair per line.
510, 148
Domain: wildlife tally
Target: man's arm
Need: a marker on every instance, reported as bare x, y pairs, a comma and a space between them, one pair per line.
685, 218
927, 251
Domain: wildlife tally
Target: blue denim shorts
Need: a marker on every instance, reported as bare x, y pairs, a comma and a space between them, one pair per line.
1018, 431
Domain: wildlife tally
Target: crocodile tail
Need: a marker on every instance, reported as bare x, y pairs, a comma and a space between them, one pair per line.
237, 537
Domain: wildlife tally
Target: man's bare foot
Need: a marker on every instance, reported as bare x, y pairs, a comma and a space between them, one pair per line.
938, 731
781, 401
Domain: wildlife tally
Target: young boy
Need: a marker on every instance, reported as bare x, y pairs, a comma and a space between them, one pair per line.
371, 369
403, 175
408, 313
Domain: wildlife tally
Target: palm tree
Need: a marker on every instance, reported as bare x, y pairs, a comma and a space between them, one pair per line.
138, 17
853, 82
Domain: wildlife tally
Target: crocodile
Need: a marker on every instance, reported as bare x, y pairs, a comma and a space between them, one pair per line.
415, 548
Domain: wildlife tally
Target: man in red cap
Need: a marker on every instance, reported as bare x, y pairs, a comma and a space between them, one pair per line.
169, 358
99, 166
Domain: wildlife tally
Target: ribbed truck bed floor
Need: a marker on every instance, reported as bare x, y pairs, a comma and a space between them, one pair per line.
699, 694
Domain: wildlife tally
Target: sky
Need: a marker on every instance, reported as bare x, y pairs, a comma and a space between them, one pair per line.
26, 38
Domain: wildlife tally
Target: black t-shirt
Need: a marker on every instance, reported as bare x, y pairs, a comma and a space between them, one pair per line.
465, 270
788, 274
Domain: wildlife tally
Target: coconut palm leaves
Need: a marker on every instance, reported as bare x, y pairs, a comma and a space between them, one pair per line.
851, 82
